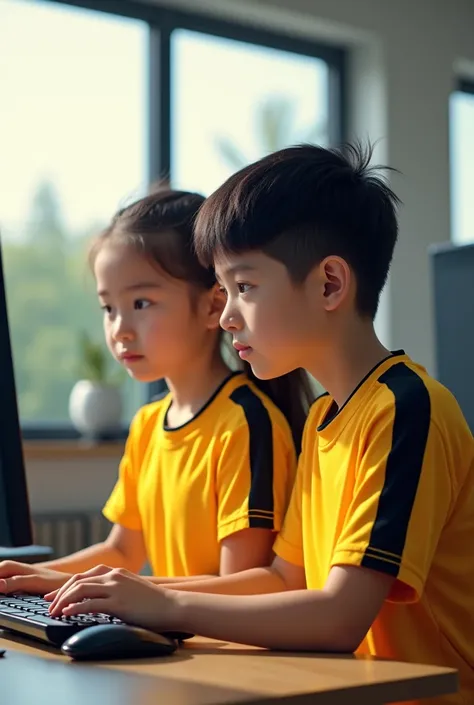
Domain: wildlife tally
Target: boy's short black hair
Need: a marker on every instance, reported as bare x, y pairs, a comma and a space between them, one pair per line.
302, 204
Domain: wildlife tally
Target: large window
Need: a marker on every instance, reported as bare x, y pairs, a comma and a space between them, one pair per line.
245, 101
72, 148
95, 105
462, 163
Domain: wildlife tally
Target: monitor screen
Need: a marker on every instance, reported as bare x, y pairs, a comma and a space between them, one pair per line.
15, 522
453, 288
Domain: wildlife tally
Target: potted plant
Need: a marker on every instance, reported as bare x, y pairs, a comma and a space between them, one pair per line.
95, 403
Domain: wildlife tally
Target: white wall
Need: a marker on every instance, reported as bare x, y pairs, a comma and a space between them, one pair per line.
404, 55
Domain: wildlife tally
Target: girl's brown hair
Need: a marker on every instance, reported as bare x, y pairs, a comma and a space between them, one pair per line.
160, 226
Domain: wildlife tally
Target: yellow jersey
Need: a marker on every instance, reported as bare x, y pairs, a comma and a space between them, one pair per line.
229, 468
387, 482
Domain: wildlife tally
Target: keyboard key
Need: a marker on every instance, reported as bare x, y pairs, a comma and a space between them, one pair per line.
36, 608
12, 610
41, 619
38, 600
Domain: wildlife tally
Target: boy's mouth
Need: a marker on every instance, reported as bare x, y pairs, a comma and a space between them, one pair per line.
243, 350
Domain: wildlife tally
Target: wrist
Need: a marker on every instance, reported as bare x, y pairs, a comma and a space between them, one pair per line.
177, 609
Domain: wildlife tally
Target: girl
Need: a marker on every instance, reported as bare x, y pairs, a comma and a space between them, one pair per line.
207, 472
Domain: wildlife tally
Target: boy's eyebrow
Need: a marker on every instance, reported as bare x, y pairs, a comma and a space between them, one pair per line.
239, 268
133, 287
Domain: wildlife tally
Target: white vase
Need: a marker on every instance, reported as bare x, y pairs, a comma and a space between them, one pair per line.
95, 409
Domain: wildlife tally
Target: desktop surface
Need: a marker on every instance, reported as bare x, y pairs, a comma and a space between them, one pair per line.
207, 672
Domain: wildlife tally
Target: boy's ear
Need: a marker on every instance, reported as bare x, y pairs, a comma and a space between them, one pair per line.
336, 279
328, 283
216, 300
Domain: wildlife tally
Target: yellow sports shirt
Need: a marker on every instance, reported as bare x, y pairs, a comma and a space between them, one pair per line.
229, 468
387, 482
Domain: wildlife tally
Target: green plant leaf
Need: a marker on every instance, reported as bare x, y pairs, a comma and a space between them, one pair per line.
95, 361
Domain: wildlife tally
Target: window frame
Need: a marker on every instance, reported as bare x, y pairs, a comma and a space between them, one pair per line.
464, 85
162, 22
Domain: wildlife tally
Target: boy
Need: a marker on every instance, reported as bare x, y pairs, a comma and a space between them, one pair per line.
376, 550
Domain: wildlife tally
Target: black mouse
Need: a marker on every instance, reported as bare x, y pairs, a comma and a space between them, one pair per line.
116, 641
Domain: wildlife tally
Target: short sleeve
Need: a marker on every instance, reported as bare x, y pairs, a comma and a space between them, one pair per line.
401, 501
255, 474
122, 505
289, 543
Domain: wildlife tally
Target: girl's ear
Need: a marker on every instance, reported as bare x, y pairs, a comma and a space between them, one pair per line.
216, 301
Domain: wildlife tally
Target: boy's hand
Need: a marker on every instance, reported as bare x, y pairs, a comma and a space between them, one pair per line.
118, 592
23, 577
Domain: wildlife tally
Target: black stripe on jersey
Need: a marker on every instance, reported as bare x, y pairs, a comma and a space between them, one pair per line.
203, 408
403, 469
261, 457
334, 411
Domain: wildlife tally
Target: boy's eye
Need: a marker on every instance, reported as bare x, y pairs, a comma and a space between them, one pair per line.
140, 304
106, 309
223, 290
243, 288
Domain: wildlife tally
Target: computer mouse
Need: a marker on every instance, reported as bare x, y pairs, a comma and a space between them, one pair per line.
179, 636
116, 641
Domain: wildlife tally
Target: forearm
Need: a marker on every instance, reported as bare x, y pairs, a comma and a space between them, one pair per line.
88, 558
305, 620
181, 580
256, 581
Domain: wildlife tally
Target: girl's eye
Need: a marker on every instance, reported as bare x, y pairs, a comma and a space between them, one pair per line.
222, 289
141, 304
243, 288
106, 309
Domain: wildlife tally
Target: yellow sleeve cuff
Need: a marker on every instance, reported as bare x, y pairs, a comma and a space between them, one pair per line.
408, 586
263, 520
116, 517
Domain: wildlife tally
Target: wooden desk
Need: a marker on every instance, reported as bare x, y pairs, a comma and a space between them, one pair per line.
206, 672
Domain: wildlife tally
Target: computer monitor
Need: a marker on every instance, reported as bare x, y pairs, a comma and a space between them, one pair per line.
15, 520
453, 289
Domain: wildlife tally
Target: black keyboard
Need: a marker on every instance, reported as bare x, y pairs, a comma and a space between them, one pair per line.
29, 615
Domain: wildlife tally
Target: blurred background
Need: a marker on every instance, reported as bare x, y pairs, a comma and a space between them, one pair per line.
101, 97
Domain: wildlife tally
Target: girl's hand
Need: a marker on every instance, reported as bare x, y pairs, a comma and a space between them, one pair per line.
23, 577
119, 593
